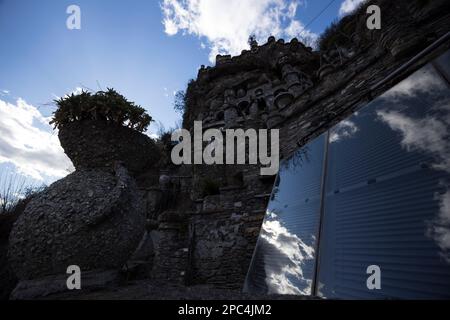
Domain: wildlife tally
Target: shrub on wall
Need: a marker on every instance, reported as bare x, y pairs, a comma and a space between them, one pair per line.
104, 105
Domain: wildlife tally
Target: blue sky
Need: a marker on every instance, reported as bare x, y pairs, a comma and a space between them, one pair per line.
144, 49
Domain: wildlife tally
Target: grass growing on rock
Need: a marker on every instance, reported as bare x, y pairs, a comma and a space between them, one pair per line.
103, 105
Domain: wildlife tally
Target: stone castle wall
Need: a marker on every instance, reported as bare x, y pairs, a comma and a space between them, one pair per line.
200, 223
300, 91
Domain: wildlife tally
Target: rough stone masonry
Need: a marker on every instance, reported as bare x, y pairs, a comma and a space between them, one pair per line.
198, 224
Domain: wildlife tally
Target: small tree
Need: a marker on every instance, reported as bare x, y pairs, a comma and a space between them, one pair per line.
14, 191
12, 188
103, 105
252, 41
179, 103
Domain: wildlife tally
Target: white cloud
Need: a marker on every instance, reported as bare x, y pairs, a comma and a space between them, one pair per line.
285, 275
441, 225
4, 92
296, 29
226, 25
348, 6
423, 81
152, 135
76, 91
344, 129
428, 134
27, 141
166, 92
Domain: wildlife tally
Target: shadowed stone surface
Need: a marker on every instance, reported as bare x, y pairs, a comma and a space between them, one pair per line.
43, 287
91, 218
158, 290
7, 278
300, 91
206, 239
98, 144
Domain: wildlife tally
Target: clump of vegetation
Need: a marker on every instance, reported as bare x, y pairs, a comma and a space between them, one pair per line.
179, 103
252, 41
15, 193
186, 100
165, 144
333, 35
209, 187
103, 105
340, 32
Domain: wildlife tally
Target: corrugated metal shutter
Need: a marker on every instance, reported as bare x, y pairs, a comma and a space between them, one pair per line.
383, 193
284, 257
386, 202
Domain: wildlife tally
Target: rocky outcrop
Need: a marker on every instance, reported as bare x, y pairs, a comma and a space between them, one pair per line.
171, 250
7, 277
43, 287
99, 144
92, 218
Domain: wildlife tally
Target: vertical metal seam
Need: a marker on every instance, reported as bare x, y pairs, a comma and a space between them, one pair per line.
244, 287
441, 72
314, 288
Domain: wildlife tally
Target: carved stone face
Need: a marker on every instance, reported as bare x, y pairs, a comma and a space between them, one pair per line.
287, 68
241, 93
229, 93
283, 60
259, 92
216, 104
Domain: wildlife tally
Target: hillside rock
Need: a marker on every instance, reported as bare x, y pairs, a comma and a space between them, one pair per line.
92, 218
41, 288
99, 144
7, 278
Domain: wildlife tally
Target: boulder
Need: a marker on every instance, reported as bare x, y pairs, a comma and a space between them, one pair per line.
44, 288
7, 278
92, 218
99, 144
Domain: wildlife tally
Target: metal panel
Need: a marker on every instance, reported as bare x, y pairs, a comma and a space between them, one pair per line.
284, 257
385, 202
388, 193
